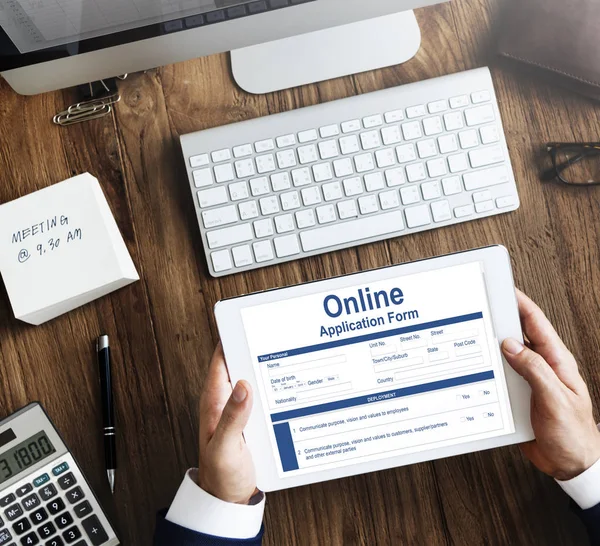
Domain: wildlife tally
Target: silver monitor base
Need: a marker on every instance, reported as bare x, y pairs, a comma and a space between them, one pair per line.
327, 54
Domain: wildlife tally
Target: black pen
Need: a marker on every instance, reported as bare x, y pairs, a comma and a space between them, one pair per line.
108, 412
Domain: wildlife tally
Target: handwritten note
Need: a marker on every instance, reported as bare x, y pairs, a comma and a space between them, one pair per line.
60, 248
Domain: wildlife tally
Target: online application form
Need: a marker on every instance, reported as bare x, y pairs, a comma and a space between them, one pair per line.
373, 371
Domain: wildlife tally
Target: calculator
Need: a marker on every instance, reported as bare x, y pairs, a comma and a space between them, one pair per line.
44, 497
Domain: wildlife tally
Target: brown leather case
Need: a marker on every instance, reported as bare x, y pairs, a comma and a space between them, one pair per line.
558, 37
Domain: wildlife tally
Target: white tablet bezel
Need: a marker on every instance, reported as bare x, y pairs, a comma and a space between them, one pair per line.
505, 316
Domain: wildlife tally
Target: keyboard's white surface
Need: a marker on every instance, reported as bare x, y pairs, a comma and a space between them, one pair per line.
349, 172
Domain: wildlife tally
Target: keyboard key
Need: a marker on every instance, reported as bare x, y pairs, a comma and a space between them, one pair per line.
332, 191
286, 140
480, 115
326, 214
389, 200
264, 146
385, 158
55, 506
263, 250
13, 512
417, 216
221, 260
224, 173
504, 202
242, 151
448, 144
412, 130
328, 149
468, 139
374, 182
22, 491
265, 163
30, 540
364, 163
486, 206
329, 131
286, 159
263, 228
239, 191
221, 155
195, 162
281, 181
406, 153
462, 212
46, 530
459, 102
427, 148
219, 217
394, 177
301, 177
21, 526
481, 96
242, 257
41, 480
286, 246
368, 204
391, 135
352, 231
5, 536
305, 218
284, 223
431, 190
458, 163
394, 116
308, 136
208, 198
489, 134
343, 167
410, 195
203, 178
416, 172
437, 106
94, 530
437, 167
486, 157
441, 211
6, 500
347, 209
311, 196
259, 186
290, 200
453, 121
372, 121
353, 186
75, 495
38, 516
370, 140
481, 196
72, 534
63, 520
57, 541
351, 126
322, 172
433, 126
308, 154
245, 168
349, 145
415, 111
452, 185
248, 210
229, 236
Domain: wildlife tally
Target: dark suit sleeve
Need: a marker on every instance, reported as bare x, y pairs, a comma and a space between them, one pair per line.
591, 520
169, 534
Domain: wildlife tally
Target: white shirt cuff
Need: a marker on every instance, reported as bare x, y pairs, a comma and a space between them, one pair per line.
197, 510
585, 488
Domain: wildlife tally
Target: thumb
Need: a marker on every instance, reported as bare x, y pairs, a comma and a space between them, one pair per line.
531, 367
235, 414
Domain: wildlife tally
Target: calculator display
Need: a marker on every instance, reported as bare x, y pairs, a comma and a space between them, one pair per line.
26, 454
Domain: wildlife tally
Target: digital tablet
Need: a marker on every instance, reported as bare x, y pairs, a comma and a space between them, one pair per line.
378, 369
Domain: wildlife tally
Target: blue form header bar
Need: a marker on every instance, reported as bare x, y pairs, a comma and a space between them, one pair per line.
369, 337
382, 396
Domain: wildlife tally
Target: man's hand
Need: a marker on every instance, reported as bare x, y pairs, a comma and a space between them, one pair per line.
567, 441
226, 470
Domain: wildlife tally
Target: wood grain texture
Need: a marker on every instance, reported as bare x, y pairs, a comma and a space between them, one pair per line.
163, 330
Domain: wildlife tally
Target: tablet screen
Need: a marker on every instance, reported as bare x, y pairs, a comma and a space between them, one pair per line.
394, 367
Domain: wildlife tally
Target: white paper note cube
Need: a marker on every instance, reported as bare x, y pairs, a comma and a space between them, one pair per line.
60, 248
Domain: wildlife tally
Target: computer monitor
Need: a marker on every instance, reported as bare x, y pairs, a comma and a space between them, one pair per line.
53, 44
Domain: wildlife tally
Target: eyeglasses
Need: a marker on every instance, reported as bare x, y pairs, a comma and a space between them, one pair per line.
574, 164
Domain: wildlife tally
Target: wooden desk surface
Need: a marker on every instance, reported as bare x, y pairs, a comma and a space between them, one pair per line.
163, 330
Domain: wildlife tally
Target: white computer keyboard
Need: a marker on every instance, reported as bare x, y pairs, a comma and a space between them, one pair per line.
349, 172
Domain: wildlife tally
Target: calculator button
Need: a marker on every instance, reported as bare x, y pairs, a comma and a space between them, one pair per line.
5, 536
83, 509
24, 490
30, 539
41, 480
58, 470
75, 495
56, 541
5, 501
13, 512
72, 534
46, 530
67, 481
48, 492
63, 520
31, 502
38, 516
21, 526
55, 506
94, 530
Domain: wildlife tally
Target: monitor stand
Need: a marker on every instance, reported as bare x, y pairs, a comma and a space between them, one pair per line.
327, 54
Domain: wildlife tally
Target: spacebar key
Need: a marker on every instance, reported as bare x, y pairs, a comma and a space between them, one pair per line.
350, 232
